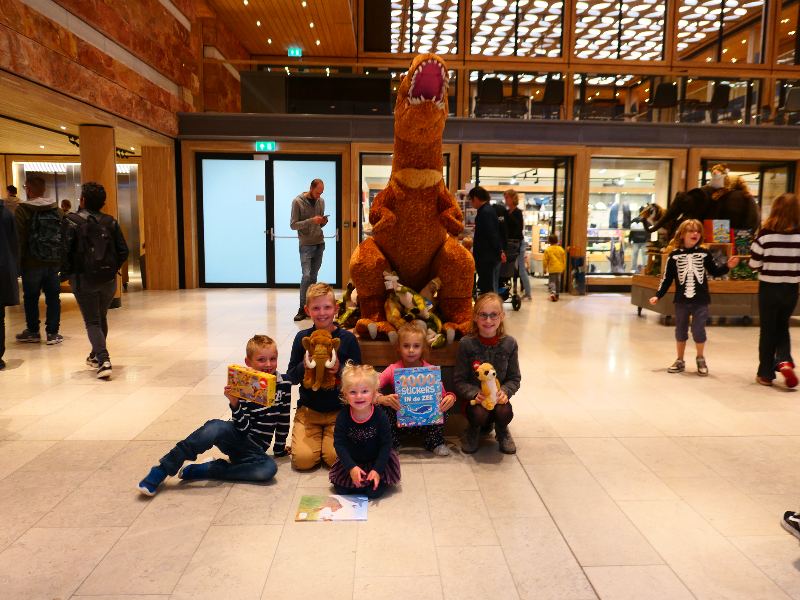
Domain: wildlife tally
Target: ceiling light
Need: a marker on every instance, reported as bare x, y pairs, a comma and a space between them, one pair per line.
303, 4
245, 2
63, 127
513, 181
621, 181
724, 50
602, 171
311, 25
317, 42
132, 148
792, 32
744, 41
690, 81
42, 147
366, 72
733, 60
258, 23
638, 178
269, 40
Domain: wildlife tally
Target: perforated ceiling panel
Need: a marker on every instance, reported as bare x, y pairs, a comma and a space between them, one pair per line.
511, 28
421, 26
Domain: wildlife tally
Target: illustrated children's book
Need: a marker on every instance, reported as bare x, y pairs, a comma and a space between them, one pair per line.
254, 386
742, 240
717, 231
332, 508
420, 390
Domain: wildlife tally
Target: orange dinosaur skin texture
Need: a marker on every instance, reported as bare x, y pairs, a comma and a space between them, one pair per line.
414, 227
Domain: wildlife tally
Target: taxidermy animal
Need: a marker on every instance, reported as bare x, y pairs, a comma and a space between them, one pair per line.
736, 205
320, 356
489, 388
415, 218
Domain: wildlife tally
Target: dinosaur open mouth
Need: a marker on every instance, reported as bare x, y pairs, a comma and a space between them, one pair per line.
429, 84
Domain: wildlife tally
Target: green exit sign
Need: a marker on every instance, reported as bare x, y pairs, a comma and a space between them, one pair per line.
265, 146
295, 52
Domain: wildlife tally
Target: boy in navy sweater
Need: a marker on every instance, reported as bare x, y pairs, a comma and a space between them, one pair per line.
312, 436
245, 439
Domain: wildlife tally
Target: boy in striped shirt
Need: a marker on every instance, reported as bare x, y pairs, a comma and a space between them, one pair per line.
245, 439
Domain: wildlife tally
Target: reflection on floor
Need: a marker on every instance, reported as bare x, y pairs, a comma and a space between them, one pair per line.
629, 483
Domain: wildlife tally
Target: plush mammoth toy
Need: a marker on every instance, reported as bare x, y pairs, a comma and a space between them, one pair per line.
320, 356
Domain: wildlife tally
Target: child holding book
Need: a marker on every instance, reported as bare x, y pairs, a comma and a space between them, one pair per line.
312, 436
487, 342
413, 348
366, 462
687, 266
245, 439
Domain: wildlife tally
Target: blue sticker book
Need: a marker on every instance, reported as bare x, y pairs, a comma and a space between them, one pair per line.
420, 390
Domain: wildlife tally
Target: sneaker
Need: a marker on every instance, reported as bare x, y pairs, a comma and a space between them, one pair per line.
678, 366
301, 315
91, 361
469, 443
149, 485
29, 336
196, 470
441, 450
787, 370
553, 297
503, 437
527, 298
54, 338
702, 368
763, 381
791, 523
104, 372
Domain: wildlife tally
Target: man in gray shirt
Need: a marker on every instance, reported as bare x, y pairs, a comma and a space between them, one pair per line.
308, 219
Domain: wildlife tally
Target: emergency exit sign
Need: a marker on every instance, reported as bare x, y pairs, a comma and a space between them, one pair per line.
295, 52
265, 146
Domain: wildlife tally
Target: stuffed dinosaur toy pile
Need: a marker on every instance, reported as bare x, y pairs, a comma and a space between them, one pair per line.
415, 219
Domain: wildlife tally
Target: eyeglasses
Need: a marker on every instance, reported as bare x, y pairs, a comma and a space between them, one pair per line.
492, 316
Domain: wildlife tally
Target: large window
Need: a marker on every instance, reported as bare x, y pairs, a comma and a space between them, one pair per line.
619, 188
516, 27
721, 30
765, 179
620, 97
789, 19
420, 26
516, 95
620, 30
714, 100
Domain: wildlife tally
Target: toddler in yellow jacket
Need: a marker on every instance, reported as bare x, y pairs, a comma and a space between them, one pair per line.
555, 261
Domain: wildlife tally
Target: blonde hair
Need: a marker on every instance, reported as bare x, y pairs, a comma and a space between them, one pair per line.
683, 229
407, 331
784, 214
513, 196
258, 342
317, 290
482, 301
353, 373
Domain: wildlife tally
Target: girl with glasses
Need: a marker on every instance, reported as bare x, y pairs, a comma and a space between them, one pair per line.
487, 342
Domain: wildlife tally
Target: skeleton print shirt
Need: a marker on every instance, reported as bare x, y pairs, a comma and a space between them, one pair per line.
687, 268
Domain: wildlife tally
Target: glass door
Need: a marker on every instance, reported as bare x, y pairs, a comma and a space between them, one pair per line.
561, 180
232, 221
291, 175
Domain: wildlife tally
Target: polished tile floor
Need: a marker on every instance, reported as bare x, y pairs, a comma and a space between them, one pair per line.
629, 483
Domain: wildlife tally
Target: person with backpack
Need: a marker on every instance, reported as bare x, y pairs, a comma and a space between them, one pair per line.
93, 251
39, 228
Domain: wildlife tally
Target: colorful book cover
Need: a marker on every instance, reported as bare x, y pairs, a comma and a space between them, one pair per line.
251, 385
742, 240
332, 508
717, 231
420, 390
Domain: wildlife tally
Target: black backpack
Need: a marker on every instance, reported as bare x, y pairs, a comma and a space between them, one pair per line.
96, 258
44, 240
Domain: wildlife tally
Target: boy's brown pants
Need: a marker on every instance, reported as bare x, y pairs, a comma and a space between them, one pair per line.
312, 438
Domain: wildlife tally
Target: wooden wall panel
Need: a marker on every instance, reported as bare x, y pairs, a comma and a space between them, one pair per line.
160, 217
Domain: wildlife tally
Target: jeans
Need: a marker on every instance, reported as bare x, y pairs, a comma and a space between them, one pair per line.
94, 299
485, 276
699, 314
554, 284
496, 277
638, 250
35, 281
523, 273
310, 262
776, 303
248, 461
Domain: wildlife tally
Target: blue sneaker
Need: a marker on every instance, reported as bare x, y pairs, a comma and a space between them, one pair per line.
149, 485
195, 470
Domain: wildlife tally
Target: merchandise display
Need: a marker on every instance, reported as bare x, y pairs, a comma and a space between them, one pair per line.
412, 217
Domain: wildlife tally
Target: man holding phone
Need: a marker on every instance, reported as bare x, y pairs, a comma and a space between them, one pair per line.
308, 219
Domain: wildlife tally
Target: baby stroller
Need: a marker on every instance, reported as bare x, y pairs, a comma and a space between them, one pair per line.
509, 274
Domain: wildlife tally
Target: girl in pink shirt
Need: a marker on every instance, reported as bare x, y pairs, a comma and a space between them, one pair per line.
413, 348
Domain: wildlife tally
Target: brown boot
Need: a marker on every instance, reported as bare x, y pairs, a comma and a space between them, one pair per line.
503, 437
469, 443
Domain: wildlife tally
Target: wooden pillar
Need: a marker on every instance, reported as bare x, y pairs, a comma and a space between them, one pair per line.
99, 164
160, 209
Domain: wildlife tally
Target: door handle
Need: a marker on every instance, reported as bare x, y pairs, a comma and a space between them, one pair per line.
330, 237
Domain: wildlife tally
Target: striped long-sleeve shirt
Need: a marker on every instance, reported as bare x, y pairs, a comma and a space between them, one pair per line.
261, 422
776, 256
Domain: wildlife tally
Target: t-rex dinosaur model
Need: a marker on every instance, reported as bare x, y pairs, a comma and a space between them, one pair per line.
415, 218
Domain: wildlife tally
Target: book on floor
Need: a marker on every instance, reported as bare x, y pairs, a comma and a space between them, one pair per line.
332, 508
420, 390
